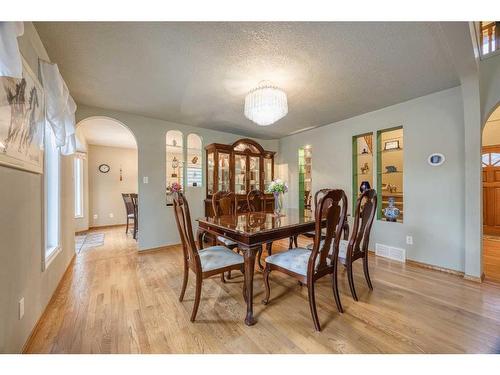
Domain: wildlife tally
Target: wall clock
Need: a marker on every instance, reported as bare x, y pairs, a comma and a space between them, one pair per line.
104, 168
436, 159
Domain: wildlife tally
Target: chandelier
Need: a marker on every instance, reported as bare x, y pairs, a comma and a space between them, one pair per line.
265, 104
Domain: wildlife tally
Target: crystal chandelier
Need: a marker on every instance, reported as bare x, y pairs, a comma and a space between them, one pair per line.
265, 104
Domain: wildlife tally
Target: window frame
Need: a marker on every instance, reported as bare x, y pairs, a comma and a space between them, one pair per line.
51, 250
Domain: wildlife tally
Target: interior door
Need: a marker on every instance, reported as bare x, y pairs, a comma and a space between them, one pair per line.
491, 190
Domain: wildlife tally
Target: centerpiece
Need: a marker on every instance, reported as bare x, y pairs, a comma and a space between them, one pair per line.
278, 188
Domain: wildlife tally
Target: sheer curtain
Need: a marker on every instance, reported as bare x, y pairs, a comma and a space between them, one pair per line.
10, 58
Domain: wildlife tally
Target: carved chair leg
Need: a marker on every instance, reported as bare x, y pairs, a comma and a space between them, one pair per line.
185, 279
312, 305
197, 297
267, 271
259, 258
335, 288
229, 275
295, 241
350, 278
126, 229
222, 277
367, 274
290, 244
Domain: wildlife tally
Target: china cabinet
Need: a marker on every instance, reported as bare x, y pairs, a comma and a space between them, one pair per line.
239, 167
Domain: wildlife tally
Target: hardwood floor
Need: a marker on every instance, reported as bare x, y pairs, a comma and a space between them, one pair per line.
491, 258
114, 300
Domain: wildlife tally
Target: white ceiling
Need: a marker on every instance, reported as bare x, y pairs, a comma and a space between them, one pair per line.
198, 73
105, 132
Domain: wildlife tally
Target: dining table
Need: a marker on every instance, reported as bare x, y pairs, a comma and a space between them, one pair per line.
251, 231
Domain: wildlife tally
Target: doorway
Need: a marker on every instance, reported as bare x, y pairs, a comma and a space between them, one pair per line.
105, 174
490, 163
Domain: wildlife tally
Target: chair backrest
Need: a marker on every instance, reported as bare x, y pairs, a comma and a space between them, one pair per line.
256, 201
129, 204
318, 195
183, 220
135, 201
366, 207
332, 207
224, 203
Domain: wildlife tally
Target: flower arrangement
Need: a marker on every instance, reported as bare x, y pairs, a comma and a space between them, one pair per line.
277, 186
174, 187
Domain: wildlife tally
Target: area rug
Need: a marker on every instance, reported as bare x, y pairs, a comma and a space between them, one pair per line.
88, 241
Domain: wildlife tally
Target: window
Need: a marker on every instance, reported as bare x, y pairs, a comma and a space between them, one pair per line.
175, 163
52, 186
489, 35
78, 180
194, 162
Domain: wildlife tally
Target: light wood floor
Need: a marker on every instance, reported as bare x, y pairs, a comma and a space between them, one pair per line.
114, 300
491, 259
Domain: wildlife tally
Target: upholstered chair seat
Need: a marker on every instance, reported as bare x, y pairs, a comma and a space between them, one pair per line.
227, 242
216, 257
294, 260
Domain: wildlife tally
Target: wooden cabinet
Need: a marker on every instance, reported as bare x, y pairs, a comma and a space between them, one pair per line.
240, 167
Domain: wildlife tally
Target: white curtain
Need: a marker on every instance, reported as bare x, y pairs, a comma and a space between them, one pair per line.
60, 107
10, 58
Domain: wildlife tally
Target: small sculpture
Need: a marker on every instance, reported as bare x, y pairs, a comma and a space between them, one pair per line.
391, 212
391, 169
365, 168
365, 185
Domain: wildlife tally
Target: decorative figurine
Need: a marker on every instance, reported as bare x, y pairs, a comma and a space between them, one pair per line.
365, 185
391, 212
391, 169
365, 168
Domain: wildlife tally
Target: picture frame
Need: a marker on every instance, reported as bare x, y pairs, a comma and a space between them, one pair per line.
391, 145
22, 121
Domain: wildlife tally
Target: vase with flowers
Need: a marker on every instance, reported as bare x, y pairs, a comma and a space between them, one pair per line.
174, 187
278, 188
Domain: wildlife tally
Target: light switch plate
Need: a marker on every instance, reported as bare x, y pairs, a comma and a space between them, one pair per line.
409, 240
145, 179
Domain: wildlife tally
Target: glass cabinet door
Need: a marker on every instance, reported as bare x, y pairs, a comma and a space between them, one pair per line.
268, 172
254, 171
224, 176
210, 173
240, 174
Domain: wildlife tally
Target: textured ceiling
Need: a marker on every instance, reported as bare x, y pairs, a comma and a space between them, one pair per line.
105, 132
198, 73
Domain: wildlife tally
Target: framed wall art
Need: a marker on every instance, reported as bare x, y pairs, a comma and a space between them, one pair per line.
22, 118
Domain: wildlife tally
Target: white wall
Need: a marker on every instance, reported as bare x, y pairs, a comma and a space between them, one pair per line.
156, 221
105, 189
21, 233
434, 196
82, 223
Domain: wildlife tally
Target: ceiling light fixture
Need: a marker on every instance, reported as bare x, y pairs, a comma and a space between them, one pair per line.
265, 104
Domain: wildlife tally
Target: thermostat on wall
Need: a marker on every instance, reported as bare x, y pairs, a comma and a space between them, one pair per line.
435, 159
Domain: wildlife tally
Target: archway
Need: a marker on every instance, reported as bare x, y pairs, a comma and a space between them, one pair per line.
490, 179
105, 168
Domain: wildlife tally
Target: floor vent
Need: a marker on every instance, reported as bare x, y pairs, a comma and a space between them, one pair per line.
390, 252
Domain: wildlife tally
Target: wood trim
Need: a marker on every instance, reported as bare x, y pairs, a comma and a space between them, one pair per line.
106, 226
435, 268
50, 301
475, 278
159, 248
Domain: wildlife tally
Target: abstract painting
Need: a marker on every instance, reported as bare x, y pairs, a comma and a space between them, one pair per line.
22, 118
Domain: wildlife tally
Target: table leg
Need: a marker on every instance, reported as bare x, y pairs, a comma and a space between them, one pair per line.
249, 255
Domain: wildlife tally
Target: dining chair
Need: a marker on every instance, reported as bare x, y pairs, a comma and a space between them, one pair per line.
317, 196
308, 266
129, 208
357, 247
135, 202
204, 263
224, 203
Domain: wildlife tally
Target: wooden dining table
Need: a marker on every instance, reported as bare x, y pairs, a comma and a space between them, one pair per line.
251, 231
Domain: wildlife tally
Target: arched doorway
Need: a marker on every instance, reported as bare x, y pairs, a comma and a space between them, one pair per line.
490, 172
105, 168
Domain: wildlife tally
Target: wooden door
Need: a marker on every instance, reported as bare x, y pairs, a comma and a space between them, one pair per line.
491, 189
